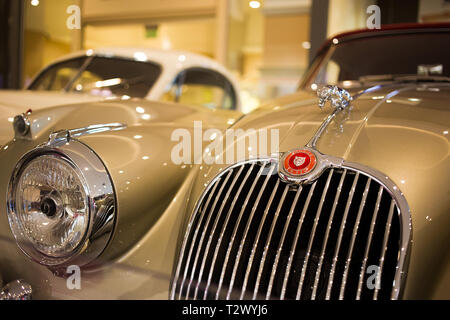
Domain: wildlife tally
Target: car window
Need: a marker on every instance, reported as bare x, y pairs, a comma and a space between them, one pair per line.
102, 76
203, 87
378, 58
58, 76
117, 77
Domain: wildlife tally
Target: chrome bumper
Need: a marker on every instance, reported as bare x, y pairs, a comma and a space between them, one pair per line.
16, 290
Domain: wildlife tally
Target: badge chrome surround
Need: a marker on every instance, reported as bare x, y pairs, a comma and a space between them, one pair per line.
304, 165
299, 162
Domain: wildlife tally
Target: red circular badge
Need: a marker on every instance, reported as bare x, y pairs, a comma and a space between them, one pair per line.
300, 162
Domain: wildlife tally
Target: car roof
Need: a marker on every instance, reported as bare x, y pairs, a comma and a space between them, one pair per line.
391, 29
181, 59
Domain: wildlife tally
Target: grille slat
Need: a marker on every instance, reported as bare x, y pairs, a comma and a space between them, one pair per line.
197, 255
369, 242
327, 233
384, 246
230, 244
340, 235
294, 243
268, 239
256, 241
221, 234
352, 243
247, 227
191, 248
313, 233
280, 246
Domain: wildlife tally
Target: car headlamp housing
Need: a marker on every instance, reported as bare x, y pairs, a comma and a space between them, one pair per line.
61, 204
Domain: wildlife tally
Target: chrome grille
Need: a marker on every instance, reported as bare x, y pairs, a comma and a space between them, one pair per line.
253, 236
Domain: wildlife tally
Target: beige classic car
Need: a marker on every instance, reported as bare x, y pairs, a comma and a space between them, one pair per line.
339, 191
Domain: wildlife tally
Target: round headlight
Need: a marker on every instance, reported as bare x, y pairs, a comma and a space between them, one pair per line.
60, 200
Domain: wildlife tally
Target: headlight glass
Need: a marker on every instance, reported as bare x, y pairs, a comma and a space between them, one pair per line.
52, 210
61, 204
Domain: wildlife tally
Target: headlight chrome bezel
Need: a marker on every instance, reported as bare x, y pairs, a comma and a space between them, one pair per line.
100, 197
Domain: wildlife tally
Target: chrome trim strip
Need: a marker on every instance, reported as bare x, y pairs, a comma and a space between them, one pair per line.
247, 227
202, 238
258, 235
352, 241
341, 233
269, 239
236, 226
294, 243
58, 136
191, 248
369, 242
280, 245
384, 246
327, 233
313, 233
222, 231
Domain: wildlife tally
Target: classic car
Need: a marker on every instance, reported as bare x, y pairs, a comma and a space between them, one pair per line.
352, 203
121, 74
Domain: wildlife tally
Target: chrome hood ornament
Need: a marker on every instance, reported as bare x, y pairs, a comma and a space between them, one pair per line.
339, 98
306, 164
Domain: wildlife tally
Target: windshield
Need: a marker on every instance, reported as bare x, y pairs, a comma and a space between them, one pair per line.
99, 76
381, 58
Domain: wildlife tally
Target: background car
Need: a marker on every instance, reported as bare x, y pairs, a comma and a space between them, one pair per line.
124, 73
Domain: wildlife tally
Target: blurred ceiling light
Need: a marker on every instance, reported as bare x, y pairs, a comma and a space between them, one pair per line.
146, 116
314, 86
166, 44
34, 3
181, 57
335, 41
89, 52
306, 45
140, 56
254, 4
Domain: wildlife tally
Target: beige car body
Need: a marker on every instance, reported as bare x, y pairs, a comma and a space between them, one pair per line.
401, 130
140, 258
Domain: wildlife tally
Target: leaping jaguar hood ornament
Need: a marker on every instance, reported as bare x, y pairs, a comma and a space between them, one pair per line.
304, 165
